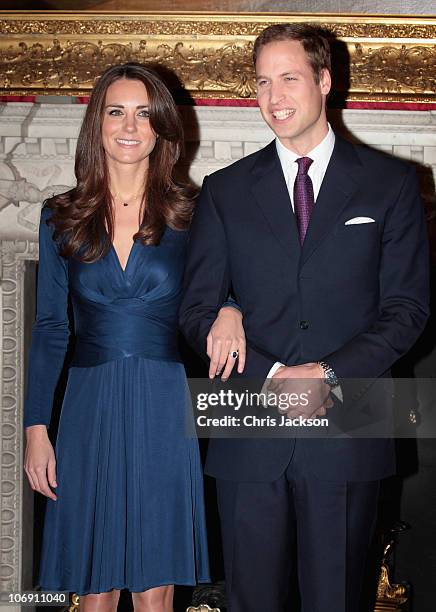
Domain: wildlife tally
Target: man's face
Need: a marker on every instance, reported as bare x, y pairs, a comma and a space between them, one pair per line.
290, 100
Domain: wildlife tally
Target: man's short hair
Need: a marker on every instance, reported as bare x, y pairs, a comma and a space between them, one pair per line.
313, 39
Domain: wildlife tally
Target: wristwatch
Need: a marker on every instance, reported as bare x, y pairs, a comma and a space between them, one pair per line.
330, 377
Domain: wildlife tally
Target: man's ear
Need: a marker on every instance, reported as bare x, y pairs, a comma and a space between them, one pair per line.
325, 81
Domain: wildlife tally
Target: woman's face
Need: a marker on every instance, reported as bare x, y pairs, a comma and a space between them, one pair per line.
126, 131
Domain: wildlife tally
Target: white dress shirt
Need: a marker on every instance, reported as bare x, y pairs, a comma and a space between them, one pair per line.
321, 155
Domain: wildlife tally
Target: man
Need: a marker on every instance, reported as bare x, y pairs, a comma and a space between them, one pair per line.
323, 244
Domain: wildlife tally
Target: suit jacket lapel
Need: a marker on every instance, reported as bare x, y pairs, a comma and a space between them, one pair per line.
339, 184
271, 194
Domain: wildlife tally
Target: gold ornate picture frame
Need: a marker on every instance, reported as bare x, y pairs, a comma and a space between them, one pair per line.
390, 59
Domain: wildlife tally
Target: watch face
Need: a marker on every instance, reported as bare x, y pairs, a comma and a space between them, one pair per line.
332, 380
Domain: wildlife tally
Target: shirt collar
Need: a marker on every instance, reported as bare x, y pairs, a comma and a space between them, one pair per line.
320, 154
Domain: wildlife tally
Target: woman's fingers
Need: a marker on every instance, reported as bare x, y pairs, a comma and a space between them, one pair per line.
225, 350
222, 356
43, 487
226, 335
51, 473
209, 344
242, 354
215, 356
232, 356
32, 482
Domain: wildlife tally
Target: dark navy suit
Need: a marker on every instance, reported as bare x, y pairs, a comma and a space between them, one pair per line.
355, 296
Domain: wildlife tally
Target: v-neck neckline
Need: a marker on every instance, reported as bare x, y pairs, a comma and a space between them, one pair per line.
123, 270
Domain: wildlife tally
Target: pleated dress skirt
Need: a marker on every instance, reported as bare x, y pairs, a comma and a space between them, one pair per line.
130, 511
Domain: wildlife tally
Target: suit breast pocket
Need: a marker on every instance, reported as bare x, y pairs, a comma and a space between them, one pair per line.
357, 236
354, 250
356, 229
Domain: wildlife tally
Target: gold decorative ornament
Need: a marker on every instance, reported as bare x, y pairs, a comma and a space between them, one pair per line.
202, 608
390, 597
390, 58
74, 607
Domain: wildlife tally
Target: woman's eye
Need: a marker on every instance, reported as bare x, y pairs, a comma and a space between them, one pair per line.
144, 113
115, 112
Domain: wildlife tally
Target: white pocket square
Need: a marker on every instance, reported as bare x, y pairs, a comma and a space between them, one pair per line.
358, 220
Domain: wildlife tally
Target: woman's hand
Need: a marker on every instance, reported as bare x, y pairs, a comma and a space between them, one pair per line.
225, 336
40, 461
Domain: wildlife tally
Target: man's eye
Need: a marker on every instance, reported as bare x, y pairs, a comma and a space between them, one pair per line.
289, 78
261, 83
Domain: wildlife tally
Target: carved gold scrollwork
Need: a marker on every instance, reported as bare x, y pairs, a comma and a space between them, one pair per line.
394, 69
217, 25
74, 65
226, 69
390, 597
202, 608
74, 607
390, 58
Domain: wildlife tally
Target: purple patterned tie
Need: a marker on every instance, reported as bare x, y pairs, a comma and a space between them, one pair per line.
303, 196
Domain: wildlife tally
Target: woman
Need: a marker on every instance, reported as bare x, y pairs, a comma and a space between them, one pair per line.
125, 507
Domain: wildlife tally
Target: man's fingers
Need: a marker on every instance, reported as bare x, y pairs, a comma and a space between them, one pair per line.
322, 410
329, 402
274, 387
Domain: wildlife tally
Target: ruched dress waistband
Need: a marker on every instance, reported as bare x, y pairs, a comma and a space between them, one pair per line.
123, 328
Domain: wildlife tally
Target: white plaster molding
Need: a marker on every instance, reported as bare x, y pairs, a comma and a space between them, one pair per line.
13, 256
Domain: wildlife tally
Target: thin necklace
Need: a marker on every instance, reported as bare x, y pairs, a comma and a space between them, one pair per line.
126, 201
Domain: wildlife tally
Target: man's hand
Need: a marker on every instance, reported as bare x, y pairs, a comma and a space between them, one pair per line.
306, 380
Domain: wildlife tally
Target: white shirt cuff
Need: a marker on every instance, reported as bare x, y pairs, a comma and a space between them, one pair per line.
274, 369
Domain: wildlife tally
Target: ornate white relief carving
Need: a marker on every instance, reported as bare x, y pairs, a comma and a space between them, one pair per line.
13, 256
38, 144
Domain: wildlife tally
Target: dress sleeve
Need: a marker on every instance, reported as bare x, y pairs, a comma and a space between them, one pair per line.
50, 332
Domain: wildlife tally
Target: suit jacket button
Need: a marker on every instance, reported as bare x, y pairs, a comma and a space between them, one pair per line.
304, 324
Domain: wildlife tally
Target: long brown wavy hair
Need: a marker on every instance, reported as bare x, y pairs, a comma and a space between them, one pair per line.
83, 217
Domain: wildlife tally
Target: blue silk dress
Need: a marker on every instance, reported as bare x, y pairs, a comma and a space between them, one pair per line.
130, 511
